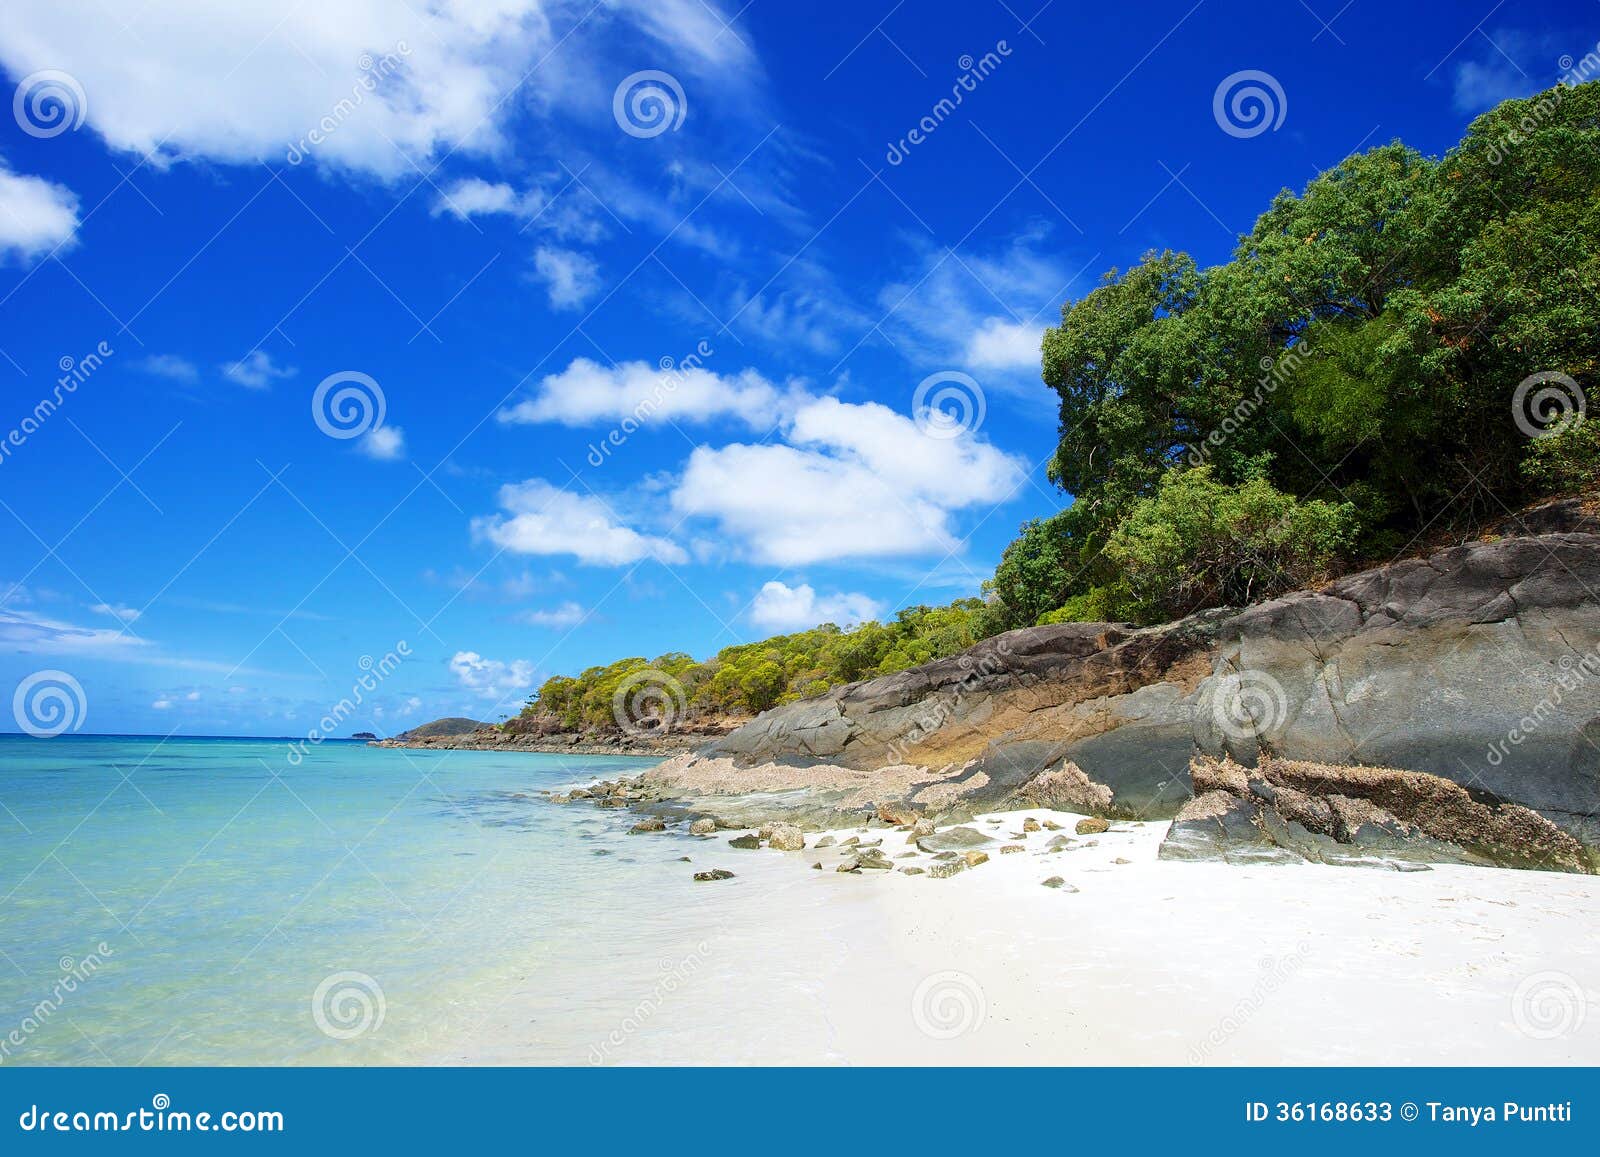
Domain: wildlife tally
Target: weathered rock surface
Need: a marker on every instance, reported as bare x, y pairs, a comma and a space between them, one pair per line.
1478, 665
1294, 811
786, 838
953, 840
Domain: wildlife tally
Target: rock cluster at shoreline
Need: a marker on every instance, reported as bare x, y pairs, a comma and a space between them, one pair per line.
1475, 672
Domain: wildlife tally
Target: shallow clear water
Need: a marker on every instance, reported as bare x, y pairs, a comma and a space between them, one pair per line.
202, 901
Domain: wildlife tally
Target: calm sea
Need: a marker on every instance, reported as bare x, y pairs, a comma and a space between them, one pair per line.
203, 901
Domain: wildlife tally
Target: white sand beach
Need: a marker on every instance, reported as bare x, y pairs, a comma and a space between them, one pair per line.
1134, 961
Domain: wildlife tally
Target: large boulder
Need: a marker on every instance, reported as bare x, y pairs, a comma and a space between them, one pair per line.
1295, 811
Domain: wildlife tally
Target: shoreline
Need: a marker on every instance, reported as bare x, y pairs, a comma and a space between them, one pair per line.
1134, 960
642, 750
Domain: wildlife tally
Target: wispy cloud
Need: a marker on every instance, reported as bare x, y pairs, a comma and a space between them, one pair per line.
256, 371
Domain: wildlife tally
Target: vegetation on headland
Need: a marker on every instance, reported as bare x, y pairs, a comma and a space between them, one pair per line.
449, 725
1400, 350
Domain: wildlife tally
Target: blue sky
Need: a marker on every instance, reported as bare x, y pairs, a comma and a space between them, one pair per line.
465, 210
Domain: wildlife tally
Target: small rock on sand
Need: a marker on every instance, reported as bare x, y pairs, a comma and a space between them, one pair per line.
1010, 849
1092, 826
973, 859
1053, 882
945, 868
956, 839
825, 842
703, 827
913, 871
1051, 826
648, 825
745, 843
714, 874
1030, 824
786, 838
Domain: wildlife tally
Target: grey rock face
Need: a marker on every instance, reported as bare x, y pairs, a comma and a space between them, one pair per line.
1479, 664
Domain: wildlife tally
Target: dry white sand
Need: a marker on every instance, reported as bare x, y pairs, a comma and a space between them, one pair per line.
1147, 962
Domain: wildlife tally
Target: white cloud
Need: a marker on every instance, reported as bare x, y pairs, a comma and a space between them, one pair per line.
126, 614
384, 84
781, 607
473, 196
586, 393
171, 366
999, 344
31, 633
162, 704
571, 213
36, 215
542, 519
856, 481
491, 678
409, 707
256, 371
983, 311
570, 278
1512, 63
193, 697
385, 443
568, 614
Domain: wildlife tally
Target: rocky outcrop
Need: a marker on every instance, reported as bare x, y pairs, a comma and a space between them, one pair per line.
552, 740
1293, 811
1478, 665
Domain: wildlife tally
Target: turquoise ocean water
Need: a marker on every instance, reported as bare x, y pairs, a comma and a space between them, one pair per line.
203, 901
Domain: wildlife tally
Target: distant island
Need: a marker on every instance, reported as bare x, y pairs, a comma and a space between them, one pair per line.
440, 728
363, 735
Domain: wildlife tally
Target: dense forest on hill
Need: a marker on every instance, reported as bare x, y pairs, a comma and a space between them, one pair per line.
1400, 350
